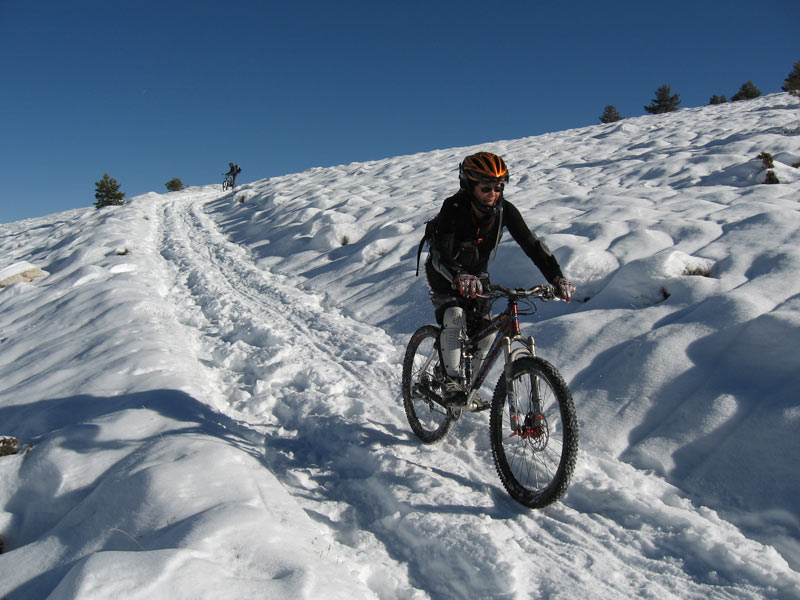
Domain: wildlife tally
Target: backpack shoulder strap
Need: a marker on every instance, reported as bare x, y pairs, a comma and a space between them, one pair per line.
499, 233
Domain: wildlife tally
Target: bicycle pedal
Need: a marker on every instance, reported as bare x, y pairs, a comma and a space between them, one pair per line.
477, 405
482, 405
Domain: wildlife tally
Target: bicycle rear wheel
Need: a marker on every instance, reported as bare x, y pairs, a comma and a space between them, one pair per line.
534, 434
422, 386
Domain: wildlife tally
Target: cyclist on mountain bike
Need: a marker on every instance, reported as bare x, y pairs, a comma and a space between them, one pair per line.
469, 227
232, 173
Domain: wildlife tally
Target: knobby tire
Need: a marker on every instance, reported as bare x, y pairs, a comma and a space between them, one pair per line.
535, 459
429, 420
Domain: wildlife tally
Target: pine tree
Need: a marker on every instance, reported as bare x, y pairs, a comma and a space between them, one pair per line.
792, 82
746, 92
718, 99
107, 192
174, 185
664, 101
610, 115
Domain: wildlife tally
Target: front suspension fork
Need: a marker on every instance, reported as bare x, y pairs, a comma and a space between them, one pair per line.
528, 349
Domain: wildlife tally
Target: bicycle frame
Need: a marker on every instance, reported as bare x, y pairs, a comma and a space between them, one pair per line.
506, 328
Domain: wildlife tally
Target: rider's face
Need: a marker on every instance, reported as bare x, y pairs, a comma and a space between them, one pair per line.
488, 194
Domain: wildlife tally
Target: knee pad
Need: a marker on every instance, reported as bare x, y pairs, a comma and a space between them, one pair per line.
454, 318
450, 341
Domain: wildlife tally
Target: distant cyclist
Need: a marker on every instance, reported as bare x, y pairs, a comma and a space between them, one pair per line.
233, 172
470, 224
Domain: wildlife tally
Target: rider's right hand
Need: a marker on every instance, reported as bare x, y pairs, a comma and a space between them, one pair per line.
468, 285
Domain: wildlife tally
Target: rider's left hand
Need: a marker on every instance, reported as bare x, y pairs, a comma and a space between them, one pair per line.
564, 288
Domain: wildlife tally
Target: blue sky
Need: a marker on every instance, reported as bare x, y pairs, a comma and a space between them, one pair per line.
151, 90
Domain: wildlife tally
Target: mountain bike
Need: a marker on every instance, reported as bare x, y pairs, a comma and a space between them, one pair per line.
227, 183
533, 427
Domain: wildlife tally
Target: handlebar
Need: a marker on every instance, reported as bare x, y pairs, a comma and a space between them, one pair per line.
542, 292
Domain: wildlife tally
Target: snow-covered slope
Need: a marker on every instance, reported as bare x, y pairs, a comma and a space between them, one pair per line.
205, 385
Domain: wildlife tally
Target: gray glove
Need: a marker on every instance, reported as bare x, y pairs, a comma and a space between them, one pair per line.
468, 285
564, 288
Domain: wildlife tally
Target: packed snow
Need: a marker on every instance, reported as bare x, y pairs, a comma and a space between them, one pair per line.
205, 385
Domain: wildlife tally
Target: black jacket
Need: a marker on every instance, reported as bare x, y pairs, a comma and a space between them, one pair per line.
465, 242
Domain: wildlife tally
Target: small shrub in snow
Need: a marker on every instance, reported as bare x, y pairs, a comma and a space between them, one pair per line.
174, 185
771, 177
717, 99
746, 92
8, 445
107, 192
610, 115
792, 82
697, 271
345, 240
664, 102
767, 159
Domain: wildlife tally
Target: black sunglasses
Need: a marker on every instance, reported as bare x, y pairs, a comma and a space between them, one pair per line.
493, 188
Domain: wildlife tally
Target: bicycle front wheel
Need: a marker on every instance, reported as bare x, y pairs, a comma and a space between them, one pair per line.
423, 386
534, 433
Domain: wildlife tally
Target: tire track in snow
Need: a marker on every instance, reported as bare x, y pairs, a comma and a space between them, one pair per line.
304, 373
265, 332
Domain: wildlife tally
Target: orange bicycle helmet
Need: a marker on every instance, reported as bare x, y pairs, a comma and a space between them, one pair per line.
483, 167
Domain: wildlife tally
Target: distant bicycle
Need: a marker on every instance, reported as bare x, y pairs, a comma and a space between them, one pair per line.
533, 427
227, 183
